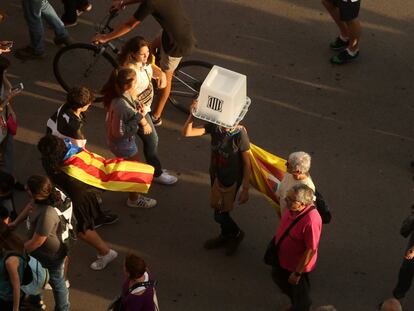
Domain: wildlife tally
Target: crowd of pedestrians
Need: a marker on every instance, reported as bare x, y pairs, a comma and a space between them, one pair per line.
26, 267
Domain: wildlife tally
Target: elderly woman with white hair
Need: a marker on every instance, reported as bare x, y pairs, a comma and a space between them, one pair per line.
298, 166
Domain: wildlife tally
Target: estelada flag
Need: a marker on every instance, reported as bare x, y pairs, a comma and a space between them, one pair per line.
267, 172
115, 174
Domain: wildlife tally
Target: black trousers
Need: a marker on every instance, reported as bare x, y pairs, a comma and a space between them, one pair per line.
298, 294
405, 278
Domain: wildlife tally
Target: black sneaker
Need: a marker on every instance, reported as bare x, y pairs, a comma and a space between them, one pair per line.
63, 41
233, 243
217, 242
339, 44
105, 219
343, 58
156, 121
28, 53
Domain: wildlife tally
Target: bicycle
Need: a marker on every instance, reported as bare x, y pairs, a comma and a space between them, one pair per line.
90, 65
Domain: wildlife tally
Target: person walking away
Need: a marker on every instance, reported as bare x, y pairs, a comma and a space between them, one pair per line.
176, 40
406, 273
86, 204
345, 14
122, 122
298, 251
135, 297
297, 172
230, 169
44, 227
34, 12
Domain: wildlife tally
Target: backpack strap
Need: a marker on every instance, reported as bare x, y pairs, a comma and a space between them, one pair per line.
146, 284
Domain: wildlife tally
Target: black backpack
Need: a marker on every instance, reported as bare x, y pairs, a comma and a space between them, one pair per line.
322, 208
68, 223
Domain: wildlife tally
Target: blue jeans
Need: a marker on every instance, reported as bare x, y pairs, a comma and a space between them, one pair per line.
34, 10
150, 144
57, 281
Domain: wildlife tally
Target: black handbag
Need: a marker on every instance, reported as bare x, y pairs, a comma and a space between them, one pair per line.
271, 256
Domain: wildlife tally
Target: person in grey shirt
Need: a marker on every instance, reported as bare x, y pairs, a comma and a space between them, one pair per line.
44, 229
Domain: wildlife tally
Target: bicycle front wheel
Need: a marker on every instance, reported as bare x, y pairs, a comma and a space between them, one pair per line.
83, 64
186, 83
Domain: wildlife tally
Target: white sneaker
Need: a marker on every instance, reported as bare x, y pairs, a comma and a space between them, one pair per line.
165, 178
48, 287
103, 261
142, 202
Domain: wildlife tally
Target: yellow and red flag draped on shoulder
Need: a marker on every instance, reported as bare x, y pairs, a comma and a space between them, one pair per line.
113, 174
267, 172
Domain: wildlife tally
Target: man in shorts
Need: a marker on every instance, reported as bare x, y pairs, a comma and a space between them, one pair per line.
345, 14
176, 40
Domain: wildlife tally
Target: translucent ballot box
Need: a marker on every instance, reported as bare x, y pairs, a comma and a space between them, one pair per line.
222, 98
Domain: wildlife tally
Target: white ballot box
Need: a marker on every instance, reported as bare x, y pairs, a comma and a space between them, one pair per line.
222, 99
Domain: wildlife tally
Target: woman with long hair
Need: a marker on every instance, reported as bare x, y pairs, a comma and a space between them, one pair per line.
135, 55
122, 122
43, 224
86, 201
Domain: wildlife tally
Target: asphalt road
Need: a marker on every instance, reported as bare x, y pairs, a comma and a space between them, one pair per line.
355, 120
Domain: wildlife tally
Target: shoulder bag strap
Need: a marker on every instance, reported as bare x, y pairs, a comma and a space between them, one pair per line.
284, 235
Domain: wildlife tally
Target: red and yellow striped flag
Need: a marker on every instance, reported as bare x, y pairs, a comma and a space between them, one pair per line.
267, 172
113, 174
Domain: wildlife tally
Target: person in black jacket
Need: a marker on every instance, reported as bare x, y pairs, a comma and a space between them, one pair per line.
406, 274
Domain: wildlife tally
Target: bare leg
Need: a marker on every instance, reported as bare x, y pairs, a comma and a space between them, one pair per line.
92, 238
334, 12
163, 95
354, 30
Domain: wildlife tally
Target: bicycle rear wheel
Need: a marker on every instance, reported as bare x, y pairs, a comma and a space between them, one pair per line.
83, 64
186, 83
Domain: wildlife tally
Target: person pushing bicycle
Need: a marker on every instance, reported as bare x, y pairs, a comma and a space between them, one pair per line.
176, 40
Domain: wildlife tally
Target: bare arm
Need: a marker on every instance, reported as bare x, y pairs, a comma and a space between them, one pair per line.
35, 242
305, 260
12, 266
188, 129
159, 76
22, 215
118, 32
244, 194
